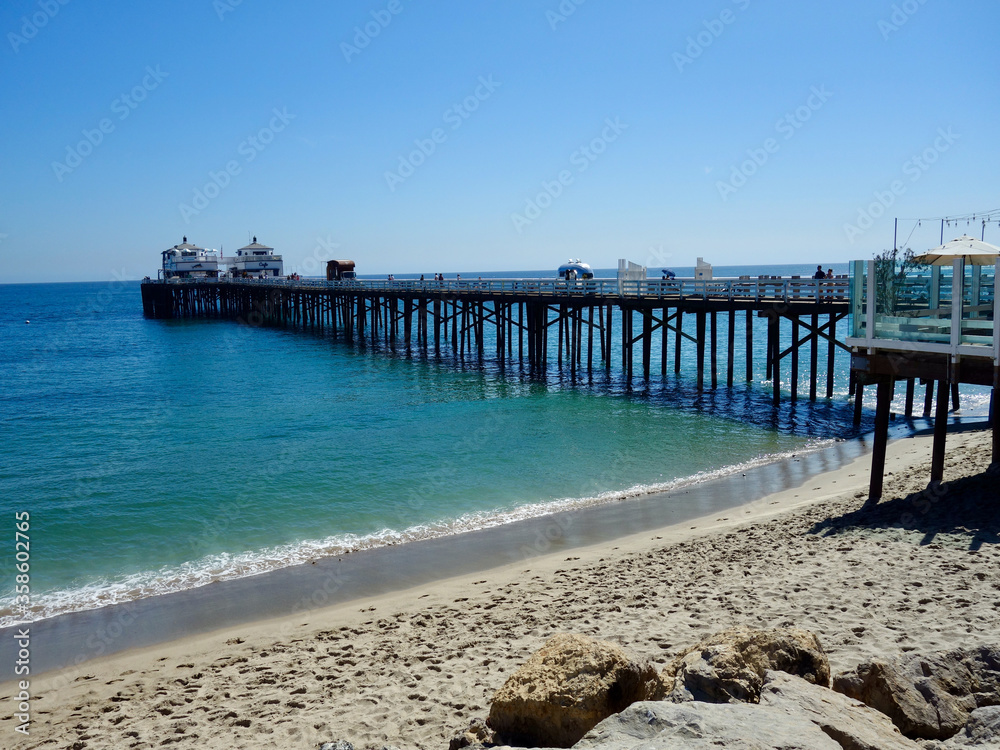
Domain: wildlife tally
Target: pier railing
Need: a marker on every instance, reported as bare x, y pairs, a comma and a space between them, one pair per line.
751, 290
950, 310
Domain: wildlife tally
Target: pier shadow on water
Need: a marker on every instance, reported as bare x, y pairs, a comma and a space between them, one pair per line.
748, 402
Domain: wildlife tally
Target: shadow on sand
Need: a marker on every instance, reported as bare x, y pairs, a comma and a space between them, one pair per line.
968, 507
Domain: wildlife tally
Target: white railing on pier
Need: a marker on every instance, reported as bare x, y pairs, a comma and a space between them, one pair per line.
770, 289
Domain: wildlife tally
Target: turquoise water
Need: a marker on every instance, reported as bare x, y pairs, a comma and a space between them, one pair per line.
156, 456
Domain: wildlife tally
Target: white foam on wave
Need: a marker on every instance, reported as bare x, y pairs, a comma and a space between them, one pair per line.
224, 566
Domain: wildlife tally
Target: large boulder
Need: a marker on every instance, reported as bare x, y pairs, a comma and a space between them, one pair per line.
705, 726
851, 723
927, 696
565, 689
730, 666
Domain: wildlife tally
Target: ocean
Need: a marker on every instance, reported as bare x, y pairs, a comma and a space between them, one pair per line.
160, 456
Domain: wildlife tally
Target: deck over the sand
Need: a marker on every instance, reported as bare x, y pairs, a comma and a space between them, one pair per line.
940, 325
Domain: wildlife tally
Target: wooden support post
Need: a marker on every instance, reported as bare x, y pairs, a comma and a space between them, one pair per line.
437, 326
590, 338
731, 352
571, 340
500, 324
814, 358
407, 322
607, 359
713, 360
773, 327
627, 321
647, 341
955, 405
995, 417
700, 347
749, 345
794, 376
465, 333
562, 324
940, 432
543, 333
663, 342
510, 330
769, 360
859, 392
929, 398
831, 351
531, 335
881, 437
910, 387
422, 322
679, 322
480, 329
520, 331
600, 322
578, 317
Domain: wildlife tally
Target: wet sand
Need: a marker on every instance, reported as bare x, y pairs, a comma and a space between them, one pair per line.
410, 667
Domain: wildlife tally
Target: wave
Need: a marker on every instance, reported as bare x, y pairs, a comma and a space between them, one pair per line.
225, 566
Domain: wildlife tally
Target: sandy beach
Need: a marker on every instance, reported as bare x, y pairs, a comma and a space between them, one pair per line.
917, 572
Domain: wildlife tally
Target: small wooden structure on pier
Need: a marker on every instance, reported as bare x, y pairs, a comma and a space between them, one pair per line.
522, 312
940, 327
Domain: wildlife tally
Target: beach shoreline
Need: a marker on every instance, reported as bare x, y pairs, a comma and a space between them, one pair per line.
78, 636
409, 667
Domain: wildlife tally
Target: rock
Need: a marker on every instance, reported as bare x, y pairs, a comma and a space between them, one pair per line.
478, 734
705, 726
337, 745
982, 730
730, 666
927, 697
851, 723
565, 689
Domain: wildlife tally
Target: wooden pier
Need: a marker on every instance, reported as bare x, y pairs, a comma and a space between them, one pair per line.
583, 317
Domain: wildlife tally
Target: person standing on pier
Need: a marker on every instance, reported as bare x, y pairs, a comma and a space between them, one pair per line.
820, 273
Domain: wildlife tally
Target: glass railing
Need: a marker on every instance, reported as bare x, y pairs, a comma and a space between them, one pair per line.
941, 307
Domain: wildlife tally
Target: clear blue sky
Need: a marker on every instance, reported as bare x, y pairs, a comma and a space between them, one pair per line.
742, 131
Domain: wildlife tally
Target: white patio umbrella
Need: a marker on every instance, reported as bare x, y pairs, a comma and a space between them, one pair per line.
974, 252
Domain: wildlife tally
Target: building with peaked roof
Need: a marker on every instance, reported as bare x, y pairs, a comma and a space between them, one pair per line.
256, 260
